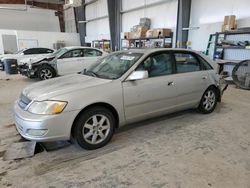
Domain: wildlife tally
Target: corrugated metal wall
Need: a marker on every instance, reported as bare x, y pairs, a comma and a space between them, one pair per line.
97, 28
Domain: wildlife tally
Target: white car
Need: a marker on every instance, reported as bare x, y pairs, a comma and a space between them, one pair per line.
65, 61
26, 53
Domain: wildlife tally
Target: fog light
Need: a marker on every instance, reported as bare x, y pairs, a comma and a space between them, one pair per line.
37, 132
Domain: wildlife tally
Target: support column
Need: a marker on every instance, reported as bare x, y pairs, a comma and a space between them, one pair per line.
183, 18
114, 12
81, 16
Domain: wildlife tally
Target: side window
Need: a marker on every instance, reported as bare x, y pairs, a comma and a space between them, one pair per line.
157, 65
186, 62
204, 64
73, 54
45, 51
31, 51
91, 53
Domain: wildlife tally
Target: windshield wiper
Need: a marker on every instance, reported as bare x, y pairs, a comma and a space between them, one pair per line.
91, 73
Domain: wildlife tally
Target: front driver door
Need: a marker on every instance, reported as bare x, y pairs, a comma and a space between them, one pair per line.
70, 62
152, 96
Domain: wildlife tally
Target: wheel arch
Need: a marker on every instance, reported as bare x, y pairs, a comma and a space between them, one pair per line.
98, 104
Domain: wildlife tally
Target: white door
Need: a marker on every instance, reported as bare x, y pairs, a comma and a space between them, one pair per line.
154, 95
70, 62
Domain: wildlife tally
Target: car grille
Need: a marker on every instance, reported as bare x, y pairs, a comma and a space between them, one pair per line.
23, 101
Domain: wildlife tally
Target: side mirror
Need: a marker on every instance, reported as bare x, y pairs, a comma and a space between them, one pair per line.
137, 75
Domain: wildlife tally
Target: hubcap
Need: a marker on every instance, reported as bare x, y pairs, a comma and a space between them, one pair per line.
46, 74
209, 100
96, 129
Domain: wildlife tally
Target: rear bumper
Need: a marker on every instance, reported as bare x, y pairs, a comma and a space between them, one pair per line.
223, 85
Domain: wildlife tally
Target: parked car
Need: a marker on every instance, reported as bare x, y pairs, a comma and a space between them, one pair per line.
65, 61
123, 87
24, 54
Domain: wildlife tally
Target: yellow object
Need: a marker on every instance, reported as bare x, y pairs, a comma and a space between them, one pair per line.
58, 108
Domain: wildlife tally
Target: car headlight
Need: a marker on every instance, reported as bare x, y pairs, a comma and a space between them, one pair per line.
47, 107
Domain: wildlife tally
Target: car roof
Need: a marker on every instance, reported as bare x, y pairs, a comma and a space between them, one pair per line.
152, 50
79, 47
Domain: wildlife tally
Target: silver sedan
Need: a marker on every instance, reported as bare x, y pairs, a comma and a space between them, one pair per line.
121, 88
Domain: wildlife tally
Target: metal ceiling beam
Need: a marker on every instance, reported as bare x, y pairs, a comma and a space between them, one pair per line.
52, 6
89, 3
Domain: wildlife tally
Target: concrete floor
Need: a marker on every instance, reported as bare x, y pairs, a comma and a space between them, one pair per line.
181, 150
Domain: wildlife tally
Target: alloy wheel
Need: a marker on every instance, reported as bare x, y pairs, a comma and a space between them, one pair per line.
46, 74
96, 129
209, 100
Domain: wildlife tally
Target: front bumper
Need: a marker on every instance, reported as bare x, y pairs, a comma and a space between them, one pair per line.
24, 70
53, 127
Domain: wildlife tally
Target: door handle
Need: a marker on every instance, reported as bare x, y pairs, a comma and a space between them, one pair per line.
204, 77
171, 83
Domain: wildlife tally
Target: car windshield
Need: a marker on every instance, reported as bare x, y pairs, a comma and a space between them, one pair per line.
59, 52
113, 66
20, 51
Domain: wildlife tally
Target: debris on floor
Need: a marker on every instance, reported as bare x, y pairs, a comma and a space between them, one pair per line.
20, 150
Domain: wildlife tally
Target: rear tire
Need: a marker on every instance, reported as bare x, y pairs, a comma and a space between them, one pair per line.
94, 128
46, 72
208, 101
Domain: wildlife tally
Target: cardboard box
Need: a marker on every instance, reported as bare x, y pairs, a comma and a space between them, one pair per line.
125, 35
140, 32
225, 28
146, 22
230, 21
162, 32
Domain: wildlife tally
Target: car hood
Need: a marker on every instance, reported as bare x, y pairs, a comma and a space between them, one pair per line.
30, 60
48, 89
39, 59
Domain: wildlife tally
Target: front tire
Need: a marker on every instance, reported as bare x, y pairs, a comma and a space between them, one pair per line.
208, 101
46, 72
94, 128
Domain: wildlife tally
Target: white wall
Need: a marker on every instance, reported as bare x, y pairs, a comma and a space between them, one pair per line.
45, 39
33, 19
209, 16
97, 29
164, 15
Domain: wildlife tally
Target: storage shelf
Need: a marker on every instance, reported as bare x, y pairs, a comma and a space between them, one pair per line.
233, 47
139, 43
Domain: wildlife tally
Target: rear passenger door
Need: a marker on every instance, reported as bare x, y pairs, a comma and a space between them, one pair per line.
191, 79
